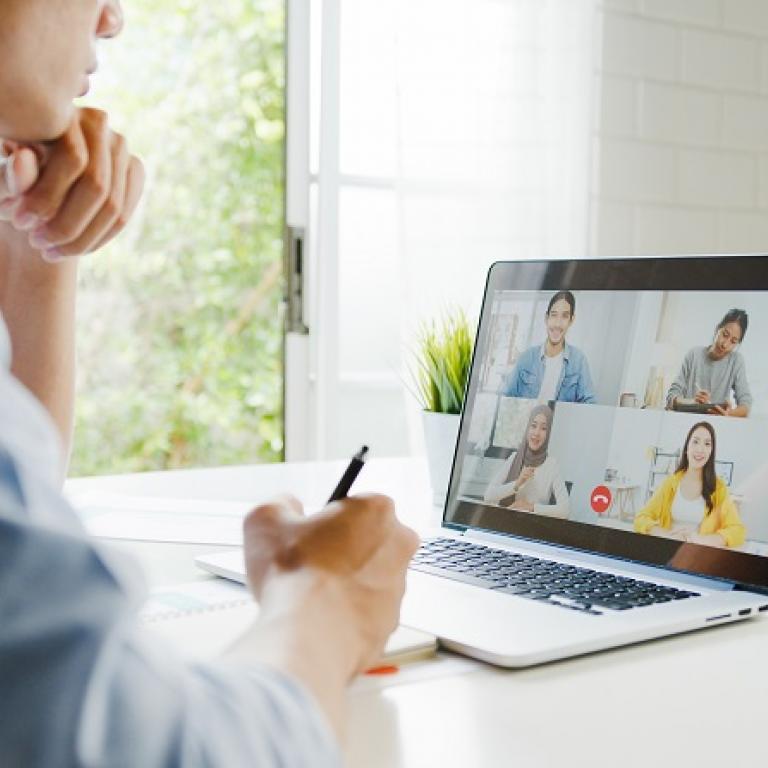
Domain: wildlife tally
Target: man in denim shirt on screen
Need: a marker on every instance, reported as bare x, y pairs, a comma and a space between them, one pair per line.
555, 370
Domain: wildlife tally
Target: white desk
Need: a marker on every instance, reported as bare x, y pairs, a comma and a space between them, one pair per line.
696, 700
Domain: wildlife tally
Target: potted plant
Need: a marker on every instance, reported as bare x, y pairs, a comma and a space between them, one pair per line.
442, 361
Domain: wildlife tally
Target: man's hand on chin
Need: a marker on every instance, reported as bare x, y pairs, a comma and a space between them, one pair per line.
73, 195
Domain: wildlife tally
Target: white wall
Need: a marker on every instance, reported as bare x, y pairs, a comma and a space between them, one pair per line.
681, 146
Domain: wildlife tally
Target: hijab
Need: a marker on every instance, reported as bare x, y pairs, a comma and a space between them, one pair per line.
525, 456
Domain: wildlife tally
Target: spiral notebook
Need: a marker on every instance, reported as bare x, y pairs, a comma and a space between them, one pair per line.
201, 619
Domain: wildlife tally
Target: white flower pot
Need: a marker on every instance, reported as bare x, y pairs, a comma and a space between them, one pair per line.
440, 433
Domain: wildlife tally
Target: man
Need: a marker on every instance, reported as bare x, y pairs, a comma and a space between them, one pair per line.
553, 370
81, 683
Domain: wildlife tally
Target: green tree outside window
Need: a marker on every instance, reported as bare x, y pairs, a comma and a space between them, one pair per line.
178, 332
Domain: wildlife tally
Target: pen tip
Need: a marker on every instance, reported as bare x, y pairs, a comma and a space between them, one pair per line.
362, 453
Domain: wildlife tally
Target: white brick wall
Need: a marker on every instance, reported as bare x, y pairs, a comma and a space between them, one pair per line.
745, 16
682, 128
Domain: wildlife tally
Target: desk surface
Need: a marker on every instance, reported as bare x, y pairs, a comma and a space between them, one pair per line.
694, 700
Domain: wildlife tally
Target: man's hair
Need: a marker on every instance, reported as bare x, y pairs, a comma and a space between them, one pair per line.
565, 296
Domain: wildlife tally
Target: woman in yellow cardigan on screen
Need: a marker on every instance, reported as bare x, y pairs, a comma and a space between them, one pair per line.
693, 504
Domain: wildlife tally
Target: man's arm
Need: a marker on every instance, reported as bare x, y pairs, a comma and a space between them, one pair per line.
83, 683
58, 201
37, 300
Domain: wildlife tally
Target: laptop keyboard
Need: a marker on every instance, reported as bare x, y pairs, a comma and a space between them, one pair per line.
567, 586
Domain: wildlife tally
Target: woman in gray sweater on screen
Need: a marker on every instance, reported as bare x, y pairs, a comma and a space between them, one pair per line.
716, 375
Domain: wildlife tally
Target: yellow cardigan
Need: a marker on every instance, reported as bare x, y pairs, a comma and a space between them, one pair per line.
723, 519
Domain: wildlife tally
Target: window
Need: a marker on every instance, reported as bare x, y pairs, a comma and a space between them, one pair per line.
451, 134
179, 336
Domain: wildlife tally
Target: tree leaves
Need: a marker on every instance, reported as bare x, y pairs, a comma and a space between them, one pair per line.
178, 331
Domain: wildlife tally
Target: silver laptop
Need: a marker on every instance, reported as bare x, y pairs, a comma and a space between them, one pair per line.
586, 510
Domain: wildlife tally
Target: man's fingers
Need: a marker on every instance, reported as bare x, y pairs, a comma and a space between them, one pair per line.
134, 186
84, 200
282, 509
93, 225
18, 173
67, 161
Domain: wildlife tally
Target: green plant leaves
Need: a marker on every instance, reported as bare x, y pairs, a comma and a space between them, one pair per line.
443, 359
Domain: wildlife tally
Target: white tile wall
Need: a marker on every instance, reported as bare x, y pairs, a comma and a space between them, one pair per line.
673, 113
705, 12
619, 105
763, 183
647, 169
616, 228
628, 40
721, 61
764, 69
745, 120
743, 232
624, 5
745, 16
682, 128
666, 229
718, 179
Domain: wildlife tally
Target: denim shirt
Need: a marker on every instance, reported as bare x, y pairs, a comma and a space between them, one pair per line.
574, 385
81, 682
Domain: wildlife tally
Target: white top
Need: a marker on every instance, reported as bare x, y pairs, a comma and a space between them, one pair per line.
82, 682
552, 368
545, 482
687, 511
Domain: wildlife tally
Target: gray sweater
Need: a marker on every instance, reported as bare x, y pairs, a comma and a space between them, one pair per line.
718, 377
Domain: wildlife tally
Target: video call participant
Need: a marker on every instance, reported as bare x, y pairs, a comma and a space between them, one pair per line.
554, 370
710, 374
530, 476
693, 504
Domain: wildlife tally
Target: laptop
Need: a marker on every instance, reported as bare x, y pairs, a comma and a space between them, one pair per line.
574, 523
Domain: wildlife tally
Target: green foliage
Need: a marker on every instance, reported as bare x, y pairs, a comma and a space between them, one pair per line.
443, 360
179, 336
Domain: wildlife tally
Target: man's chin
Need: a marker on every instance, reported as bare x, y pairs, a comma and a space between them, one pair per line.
48, 125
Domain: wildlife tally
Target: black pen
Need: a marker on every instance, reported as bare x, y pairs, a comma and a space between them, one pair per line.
350, 473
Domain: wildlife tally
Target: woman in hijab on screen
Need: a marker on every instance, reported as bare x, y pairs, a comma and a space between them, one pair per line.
529, 480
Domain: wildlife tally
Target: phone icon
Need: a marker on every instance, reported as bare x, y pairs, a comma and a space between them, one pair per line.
601, 499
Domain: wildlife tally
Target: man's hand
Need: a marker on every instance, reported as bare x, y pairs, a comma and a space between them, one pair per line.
355, 549
75, 194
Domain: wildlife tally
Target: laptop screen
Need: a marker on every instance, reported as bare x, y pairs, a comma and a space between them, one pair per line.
621, 407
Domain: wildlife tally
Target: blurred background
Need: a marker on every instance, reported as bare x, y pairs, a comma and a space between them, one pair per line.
406, 145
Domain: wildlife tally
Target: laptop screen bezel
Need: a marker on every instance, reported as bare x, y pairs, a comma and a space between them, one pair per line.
674, 273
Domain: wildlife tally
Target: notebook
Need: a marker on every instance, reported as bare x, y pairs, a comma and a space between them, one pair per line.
203, 618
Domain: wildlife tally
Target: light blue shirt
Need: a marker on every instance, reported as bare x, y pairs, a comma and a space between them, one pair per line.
574, 384
81, 683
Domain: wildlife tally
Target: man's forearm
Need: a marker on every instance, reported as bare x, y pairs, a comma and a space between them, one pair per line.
305, 630
38, 303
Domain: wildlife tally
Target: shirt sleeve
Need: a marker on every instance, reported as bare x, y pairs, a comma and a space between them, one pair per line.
741, 385
510, 386
84, 684
586, 390
679, 386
